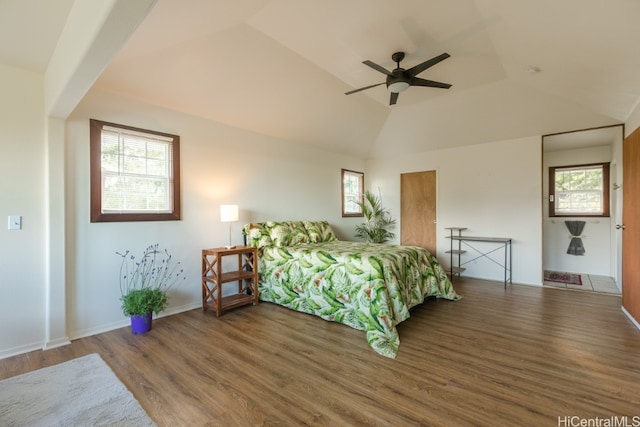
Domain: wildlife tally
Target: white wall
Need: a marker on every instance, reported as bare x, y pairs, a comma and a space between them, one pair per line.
597, 231
269, 179
493, 189
22, 165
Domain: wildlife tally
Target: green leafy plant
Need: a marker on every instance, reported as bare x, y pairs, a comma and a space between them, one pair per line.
144, 281
142, 301
378, 220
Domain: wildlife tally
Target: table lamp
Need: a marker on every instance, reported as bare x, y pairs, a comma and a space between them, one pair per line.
229, 213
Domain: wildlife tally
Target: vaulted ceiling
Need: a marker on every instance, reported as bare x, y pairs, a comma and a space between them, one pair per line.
281, 67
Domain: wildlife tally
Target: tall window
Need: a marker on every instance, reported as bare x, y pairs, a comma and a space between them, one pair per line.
352, 192
135, 174
581, 190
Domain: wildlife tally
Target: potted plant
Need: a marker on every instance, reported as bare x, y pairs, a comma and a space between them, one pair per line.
378, 220
144, 283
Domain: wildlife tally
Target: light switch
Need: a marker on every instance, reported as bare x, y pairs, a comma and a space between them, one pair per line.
15, 222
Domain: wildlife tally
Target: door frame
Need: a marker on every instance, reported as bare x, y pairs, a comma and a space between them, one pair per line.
573, 142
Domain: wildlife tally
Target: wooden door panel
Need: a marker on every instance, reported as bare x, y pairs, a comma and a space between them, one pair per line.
418, 209
631, 221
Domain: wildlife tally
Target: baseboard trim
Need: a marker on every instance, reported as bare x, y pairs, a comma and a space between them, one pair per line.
56, 343
634, 321
20, 350
126, 322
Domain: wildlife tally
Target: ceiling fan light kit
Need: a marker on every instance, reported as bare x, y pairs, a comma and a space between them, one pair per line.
400, 79
398, 87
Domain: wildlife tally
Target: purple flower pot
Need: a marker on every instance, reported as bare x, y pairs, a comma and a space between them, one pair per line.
141, 323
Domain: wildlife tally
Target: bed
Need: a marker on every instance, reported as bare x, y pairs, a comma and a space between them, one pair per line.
368, 286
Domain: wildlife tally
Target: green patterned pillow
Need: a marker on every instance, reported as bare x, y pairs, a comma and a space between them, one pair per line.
280, 233
299, 233
319, 231
257, 235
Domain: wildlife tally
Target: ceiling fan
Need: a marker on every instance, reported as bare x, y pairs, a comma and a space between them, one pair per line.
400, 79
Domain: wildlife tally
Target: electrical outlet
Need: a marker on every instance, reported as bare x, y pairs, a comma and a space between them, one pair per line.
15, 222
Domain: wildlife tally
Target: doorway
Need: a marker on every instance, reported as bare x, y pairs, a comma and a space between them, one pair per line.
599, 268
418, 209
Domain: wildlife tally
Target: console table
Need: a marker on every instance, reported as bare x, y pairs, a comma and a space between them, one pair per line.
456, 251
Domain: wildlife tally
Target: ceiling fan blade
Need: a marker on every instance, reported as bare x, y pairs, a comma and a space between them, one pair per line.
394, 98
377, 67
417, 81
363, 88
414, 71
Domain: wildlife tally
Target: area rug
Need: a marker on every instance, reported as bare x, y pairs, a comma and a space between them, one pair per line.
560, 277
80, 392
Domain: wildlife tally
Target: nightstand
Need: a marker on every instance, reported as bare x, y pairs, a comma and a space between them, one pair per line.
213, 278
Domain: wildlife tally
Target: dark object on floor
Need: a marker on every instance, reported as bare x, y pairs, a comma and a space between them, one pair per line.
560, 277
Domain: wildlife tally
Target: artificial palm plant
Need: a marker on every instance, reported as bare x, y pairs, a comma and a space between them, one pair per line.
378, 220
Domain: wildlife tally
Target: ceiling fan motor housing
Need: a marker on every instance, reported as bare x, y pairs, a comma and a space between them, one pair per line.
398, 80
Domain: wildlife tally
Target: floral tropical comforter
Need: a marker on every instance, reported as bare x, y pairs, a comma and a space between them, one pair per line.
367, 286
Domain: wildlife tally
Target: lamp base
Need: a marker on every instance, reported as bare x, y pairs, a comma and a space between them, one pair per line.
230, 246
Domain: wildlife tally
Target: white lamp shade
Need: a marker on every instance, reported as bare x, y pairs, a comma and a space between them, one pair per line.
229, 213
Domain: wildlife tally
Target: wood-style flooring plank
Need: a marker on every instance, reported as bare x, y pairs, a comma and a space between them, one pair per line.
521, 356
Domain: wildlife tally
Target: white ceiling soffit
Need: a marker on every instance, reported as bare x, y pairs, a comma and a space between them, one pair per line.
584, 49
29, 30
281, 68
253, 83
337, 36
519, 111
583, 139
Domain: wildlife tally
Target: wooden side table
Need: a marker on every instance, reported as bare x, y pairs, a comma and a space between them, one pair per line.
213, 278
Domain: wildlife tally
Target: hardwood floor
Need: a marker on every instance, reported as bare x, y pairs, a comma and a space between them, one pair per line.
521, 356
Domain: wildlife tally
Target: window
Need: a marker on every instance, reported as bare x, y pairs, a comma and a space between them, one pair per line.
581, 190
352, 192
135, 174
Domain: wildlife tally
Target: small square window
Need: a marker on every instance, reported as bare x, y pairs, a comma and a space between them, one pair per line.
581, 190
135, 174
